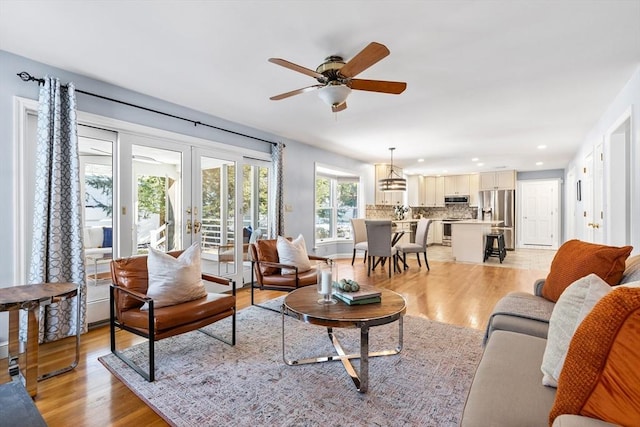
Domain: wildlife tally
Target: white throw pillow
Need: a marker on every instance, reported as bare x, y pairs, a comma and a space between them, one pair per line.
575, 302
174, 280
293, 253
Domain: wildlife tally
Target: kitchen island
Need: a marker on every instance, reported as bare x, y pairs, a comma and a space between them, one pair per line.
468, 239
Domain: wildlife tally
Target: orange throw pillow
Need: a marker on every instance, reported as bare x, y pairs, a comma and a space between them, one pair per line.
600, 377
576, 259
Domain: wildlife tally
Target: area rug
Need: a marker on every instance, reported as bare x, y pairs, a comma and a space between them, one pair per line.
201, 381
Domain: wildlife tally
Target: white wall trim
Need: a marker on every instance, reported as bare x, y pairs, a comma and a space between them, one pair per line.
21, 108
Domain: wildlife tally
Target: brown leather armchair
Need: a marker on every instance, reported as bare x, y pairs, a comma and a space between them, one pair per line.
128, 294
268, 274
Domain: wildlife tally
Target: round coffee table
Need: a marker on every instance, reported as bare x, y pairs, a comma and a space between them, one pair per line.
302, 304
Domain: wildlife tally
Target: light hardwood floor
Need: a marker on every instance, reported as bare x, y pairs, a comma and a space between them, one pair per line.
456, 293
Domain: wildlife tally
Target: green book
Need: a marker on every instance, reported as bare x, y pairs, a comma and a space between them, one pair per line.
347, 301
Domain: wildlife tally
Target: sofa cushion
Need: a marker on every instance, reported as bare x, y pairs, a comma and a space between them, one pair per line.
600, 378
294, 253
521, 312
576, 259
93, 237
507, 388
573, 305
174, 280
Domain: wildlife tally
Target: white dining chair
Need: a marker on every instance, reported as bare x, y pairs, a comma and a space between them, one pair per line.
379, 235
420, 245
359, 235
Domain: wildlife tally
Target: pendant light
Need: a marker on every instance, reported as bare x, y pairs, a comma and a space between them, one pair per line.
393, 182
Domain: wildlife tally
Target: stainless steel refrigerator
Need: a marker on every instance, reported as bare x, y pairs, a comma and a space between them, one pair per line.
500, 205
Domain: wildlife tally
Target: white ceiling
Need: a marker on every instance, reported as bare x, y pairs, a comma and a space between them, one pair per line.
486, 79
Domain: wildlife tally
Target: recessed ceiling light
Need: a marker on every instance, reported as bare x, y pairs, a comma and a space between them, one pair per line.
475, 159
539, 163
480, 164
420, 160
542, 147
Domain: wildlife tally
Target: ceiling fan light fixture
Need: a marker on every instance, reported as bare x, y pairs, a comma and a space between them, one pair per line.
334, 94
393, 182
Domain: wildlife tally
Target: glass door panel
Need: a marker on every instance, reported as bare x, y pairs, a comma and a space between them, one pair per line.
217, 223
95, 147
158, 196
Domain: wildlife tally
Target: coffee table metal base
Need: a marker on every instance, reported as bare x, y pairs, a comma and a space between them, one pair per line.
361, 379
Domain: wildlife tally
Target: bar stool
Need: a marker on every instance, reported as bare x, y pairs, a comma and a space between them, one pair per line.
490, 246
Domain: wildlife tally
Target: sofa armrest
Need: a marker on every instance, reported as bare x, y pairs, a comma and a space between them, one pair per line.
537, 287
579, 421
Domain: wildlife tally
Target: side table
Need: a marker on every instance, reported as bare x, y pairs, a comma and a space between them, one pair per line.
29, 298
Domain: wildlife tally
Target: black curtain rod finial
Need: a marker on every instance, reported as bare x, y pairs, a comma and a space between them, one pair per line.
26, 77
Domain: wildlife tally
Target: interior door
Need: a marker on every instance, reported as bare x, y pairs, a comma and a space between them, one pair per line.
591, 193
539, 213
585, 195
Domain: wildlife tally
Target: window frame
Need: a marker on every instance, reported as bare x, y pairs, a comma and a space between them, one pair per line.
336, 177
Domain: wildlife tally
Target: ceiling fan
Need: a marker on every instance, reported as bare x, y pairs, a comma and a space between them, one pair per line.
336, 77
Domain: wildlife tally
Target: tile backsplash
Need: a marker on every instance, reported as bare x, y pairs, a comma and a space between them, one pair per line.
453, 211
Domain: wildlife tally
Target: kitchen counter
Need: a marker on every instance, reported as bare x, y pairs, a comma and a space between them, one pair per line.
468, 239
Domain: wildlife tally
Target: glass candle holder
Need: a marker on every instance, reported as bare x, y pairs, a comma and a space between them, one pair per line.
325, 282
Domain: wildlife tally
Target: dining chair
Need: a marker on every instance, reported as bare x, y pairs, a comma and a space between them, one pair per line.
359, 235
420, 245
379, 235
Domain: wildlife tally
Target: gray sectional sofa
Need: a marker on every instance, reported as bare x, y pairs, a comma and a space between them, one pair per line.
507, 388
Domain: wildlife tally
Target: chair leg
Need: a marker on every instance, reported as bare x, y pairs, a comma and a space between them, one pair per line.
368, 266
418, 256
353, 258
392, 261
425, 260
365, 257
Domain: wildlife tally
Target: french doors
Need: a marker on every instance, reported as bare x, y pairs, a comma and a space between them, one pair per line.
150, 188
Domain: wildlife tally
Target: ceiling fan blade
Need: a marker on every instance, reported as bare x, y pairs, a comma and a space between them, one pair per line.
295, 67
378, 86
368, 56
339, 107
295, 92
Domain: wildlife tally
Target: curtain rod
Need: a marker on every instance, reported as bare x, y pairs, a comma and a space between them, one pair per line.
26, 77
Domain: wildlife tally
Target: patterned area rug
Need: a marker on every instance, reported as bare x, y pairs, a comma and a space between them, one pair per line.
201, 381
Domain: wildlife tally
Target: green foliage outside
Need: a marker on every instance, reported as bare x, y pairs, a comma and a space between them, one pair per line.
151, 197
103, 183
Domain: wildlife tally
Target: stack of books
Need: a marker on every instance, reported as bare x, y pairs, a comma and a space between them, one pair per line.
366, 295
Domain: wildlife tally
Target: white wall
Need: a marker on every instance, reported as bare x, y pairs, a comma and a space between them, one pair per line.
629, 97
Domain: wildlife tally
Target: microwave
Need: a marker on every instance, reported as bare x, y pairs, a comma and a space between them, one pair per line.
456, 200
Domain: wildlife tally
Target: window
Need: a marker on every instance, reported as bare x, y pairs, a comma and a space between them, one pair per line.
336, 204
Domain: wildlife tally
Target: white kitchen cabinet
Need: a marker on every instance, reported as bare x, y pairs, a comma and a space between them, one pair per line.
435, 233
387, 197
434, 191
474, 189
439, 202
416, 191
501, 180
406, 227
456, 185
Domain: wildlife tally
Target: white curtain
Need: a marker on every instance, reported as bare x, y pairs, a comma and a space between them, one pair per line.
277, 195
57, 253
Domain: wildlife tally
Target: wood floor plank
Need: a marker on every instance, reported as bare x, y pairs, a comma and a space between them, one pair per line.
455, 293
